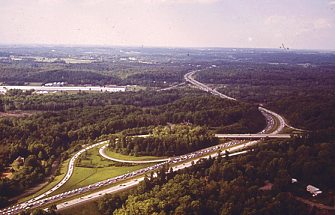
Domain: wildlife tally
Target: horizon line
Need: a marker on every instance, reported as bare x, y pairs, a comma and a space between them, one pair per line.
67, 45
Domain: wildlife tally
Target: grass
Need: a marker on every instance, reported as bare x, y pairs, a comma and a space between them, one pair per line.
92, 208
130, 158
82, 176
56, 180
87, 208
136, 88
93, 168
123, 74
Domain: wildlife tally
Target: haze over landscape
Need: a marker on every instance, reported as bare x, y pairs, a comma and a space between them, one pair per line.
169, 107
299, 24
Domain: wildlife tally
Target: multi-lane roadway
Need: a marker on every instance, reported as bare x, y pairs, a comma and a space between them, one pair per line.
103, 154
253, 136
270, 116
178, 162
189, 78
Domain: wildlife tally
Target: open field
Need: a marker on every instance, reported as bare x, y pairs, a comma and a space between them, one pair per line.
92, 168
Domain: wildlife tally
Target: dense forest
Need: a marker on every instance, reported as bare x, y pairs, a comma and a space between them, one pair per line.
256, 183
45, 129
48, 134
260, 182
309, 112
263, 83
168, 140
304, 94
98, 73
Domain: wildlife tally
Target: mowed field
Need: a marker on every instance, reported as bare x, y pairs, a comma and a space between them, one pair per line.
92, 168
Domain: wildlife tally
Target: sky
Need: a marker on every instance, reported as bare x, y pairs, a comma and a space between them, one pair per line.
299, 24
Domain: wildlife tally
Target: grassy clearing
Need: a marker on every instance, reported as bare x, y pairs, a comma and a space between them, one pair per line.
92, 209
92, 168
56, 180
130, 158
136, 88
123, 74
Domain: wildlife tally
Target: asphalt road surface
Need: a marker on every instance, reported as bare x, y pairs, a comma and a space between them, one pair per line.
103, 154
178, 162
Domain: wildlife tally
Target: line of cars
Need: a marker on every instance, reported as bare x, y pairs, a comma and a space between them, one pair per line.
267, 113
103, 154
40, 199
37, 202
188, 77
270, 115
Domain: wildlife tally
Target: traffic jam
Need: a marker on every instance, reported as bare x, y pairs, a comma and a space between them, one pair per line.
38, 201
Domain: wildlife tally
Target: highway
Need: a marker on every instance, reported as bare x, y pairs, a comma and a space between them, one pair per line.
253, 136
279, 119
103, 154
189, 78
131, 183
69, 171
177, 162
43, 199
268, 114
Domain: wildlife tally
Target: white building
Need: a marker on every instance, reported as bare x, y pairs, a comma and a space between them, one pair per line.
65, 88
3, 90
313, 190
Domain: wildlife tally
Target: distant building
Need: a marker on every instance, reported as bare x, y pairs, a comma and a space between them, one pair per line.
42, 92
55, 84
313, 190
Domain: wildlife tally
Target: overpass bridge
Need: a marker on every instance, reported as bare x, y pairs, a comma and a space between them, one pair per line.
253, 136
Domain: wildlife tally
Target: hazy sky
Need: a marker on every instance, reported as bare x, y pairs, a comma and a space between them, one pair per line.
303, 24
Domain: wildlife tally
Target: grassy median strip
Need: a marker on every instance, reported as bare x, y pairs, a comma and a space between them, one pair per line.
125, 181
91, 168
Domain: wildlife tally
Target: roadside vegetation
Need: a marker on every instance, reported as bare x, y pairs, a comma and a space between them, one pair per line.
91, 168
119, 156
257, 183
299, 86
303, 93
170, 140
66, 122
